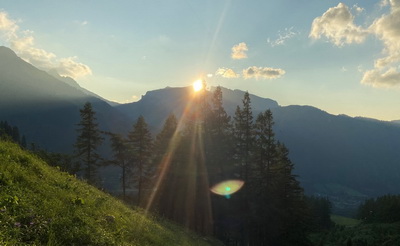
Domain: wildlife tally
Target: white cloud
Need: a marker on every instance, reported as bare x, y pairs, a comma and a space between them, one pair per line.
8, 27
384, 3
226, 73
379, 78
283, 37
387, 29
23, 43
69, 67
81, 23
239, 51
262, 72
337, 24
358, 9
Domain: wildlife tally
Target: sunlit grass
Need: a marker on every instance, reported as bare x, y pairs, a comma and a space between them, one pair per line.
40, 205
344, 221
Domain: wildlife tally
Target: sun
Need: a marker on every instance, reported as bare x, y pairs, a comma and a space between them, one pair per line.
198, 85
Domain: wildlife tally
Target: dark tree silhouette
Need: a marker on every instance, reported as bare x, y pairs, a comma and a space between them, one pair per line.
141, 145
88, 140
120, 150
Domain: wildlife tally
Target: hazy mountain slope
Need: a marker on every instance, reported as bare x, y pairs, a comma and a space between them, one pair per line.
44, 108
75, 84
360, 154
42, 206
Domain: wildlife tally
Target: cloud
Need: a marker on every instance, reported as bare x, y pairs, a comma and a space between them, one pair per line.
239, 51
337, 24
262, 72
226, 73
69, 67
358, 9
23, 43
283, 37
387, 29
378, 78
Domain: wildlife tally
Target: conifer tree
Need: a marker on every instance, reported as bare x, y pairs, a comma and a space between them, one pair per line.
120, 149
265, 150
166, 161
243, 134
140, 144
218, 139
88, 140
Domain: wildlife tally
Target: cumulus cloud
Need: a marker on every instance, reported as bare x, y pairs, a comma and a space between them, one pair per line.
227, 73
337, 24
239, 51
8, 27
23, 43
387, 29
69, 67
379, 78
358, 9
284, 35
262, 72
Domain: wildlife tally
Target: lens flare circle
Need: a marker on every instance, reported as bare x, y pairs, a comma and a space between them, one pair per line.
227, 187
198, 85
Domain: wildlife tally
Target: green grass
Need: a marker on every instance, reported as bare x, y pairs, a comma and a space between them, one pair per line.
349, 231
344, 221
360, 235
39, 205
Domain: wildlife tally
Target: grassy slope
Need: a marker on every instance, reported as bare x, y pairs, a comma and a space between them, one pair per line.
352, 232
344, 221
41, 206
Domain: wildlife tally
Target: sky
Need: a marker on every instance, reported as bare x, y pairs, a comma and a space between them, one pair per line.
341, 57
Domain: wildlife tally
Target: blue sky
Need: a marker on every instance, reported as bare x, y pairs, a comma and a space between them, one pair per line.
342, 57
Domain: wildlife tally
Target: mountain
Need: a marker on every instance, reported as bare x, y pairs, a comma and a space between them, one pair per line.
42, 206
73, 83
46, 109
156, 105
344, 158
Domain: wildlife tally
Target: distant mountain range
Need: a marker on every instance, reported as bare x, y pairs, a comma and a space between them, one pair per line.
345, 158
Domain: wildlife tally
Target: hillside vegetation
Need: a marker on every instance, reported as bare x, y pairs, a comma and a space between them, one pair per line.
39, 205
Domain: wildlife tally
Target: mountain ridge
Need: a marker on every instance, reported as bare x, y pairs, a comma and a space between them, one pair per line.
344, 158
45, 108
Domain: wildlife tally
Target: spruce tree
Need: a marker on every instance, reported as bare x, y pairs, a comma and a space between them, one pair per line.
141, 145
244, 139
265, 150
244, 136
218, 140
120, 149
165, 160
88, 140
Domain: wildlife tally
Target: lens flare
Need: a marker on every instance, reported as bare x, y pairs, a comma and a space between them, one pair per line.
198, 85
227, 187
